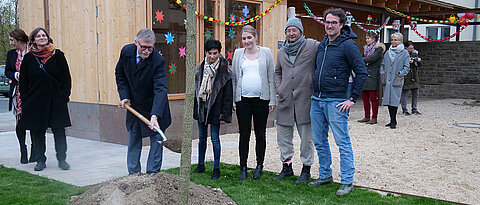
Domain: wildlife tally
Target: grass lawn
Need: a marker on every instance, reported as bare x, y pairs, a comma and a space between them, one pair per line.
20, 187
267, 191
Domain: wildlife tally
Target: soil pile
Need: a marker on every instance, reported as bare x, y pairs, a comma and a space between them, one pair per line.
160, 188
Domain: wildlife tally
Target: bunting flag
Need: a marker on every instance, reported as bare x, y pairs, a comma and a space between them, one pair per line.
428, 20
240, 23
436, 40
368, 30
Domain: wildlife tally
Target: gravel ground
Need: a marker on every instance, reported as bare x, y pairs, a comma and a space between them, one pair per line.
426, 155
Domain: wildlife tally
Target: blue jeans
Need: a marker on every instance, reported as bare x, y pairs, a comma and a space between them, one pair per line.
202, 143
155, 155
324, 114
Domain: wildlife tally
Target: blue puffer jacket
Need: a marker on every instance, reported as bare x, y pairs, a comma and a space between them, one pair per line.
335, 62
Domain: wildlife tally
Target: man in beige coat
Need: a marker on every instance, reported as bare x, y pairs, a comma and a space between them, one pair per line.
293, 83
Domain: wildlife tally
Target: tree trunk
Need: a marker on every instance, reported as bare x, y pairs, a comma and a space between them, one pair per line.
185, 162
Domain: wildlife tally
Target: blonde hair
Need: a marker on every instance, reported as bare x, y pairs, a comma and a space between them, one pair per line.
249, 29
398, 36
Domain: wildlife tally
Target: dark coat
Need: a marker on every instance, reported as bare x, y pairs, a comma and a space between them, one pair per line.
373, 67
10, 73
45, 96
220, 102
145, 87
411, 79
335, 62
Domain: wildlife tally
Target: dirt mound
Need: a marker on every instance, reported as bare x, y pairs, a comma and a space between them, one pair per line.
160, 188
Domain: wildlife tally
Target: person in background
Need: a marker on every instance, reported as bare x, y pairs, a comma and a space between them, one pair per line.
293, 82
338, 55
372, 55
395, 66
253, 95
19, 40
142, 82
213, 102
45, 85
412, 82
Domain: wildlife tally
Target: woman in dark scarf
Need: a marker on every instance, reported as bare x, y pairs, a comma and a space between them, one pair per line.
45, 86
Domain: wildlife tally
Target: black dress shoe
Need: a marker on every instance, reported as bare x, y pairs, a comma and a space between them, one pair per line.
243, 173
287, 171
40, 166
63, 165
388, 125
200, 168
216, 173
258, 171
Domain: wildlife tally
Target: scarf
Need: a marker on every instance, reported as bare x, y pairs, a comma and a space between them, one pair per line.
45, 53
394, 51
368, 50
17, 102
292, 48
209, 71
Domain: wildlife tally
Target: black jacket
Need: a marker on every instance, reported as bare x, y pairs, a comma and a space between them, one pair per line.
10, 73
220, 104
335, 62
146, 87
45, 96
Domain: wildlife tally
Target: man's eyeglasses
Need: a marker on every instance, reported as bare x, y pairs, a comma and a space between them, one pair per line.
333, 23
394, 40
150, 48
291, 30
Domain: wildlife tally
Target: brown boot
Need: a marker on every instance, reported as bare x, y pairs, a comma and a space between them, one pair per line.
372, 121
364, 120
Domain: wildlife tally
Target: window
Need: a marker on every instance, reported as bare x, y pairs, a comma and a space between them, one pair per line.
173, 24
392, 31
438, 32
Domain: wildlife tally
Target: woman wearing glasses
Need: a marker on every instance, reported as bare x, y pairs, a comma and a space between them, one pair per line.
395, 65
45, 85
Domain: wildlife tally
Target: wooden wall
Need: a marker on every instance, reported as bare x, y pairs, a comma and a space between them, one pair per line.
31, 14
273, 25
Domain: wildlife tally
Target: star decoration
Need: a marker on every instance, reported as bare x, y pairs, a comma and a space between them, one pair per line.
231, 33
159, 16
169, 38
184, 21
208, 34
182, 52
246, 11
232, 18
173, 68
242, 19
230, 55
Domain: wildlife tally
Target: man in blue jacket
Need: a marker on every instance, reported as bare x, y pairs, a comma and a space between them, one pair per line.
338, 55
142, 82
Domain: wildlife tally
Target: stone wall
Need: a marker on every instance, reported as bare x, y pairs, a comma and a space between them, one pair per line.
450, 69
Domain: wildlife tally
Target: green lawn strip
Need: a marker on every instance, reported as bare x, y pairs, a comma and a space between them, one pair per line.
20, 187
268, 191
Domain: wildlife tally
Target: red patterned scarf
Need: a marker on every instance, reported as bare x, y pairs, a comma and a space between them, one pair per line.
45, 53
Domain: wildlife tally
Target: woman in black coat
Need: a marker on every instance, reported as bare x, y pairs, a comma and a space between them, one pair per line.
18, 39
213, 102
45, 85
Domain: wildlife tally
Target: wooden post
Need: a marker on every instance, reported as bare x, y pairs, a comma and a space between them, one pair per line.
185, 161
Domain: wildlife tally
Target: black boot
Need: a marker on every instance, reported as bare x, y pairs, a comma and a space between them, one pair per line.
305, 175
286, 171
32, 158
200, 168
243, 173
23, 155
258, 171
216, 173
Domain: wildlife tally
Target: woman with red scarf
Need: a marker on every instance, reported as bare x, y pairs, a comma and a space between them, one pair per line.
45, 86
18, 39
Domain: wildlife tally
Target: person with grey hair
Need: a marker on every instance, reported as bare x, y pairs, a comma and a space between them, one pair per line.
395, 66
142, 83
293, 83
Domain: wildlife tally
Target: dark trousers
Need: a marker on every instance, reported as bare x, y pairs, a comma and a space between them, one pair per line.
21, 133
38, 138
247, 108
392, 110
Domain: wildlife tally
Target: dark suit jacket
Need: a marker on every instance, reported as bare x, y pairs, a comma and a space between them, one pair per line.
10, 73
146, 87
45, 96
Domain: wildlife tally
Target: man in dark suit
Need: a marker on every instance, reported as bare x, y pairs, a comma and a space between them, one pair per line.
142, 82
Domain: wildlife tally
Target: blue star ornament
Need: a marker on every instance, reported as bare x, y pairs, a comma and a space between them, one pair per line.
231, 33
169, 38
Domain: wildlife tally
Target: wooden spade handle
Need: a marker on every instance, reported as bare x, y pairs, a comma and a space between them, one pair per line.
145, 120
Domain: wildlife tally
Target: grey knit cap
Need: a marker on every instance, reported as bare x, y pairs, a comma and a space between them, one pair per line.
294, 21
